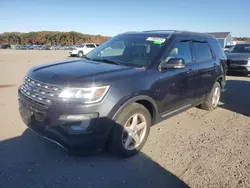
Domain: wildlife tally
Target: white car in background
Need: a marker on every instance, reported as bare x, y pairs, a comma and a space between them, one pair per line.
82, 50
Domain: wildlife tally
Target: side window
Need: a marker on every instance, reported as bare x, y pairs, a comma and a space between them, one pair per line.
90, 45
202, 51
181, 50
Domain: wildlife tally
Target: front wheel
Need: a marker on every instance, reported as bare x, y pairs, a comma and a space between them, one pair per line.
80, 54
131, 131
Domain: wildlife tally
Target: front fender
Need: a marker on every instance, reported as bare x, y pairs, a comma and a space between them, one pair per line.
127, 101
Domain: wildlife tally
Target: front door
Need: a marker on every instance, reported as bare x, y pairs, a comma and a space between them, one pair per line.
175, 86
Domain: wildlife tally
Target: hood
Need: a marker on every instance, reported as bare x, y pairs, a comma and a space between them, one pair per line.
78, 72
238, 56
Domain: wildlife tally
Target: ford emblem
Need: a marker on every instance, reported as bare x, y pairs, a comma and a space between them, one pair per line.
31, 88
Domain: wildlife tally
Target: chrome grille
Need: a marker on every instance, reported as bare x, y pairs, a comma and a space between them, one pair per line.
239, 62
39, 92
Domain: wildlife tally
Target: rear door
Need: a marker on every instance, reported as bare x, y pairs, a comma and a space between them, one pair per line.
204, 68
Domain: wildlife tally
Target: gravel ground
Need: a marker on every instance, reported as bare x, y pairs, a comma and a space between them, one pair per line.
193, 149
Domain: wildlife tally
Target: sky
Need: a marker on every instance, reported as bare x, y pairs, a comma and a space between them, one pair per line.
111, 17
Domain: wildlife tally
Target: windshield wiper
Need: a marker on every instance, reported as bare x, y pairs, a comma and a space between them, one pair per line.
85, 57
107, 61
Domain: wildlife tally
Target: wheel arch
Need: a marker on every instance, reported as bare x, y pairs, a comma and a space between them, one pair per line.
221, 80
144, 100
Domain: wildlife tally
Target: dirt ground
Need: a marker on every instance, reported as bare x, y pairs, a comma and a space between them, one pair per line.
193, 149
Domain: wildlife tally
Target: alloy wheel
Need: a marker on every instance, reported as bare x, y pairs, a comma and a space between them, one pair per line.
134, 131
216, 97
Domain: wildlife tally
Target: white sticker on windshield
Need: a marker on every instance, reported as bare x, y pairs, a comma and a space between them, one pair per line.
156, 39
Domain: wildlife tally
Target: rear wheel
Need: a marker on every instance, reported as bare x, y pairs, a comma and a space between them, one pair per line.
131, 131
212, 99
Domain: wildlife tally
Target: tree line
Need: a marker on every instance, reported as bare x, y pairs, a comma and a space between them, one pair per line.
50, 38
242, 38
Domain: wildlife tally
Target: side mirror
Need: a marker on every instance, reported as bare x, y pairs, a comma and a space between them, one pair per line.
174, 63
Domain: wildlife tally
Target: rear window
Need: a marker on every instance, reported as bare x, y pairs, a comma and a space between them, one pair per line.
202, 51
218, 49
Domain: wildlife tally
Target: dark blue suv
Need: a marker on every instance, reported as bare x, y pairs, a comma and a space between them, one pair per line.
112, 96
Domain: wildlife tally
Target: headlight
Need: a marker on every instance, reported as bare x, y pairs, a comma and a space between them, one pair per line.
249, 61
89, 95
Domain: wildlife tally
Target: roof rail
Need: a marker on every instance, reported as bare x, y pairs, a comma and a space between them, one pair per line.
161, 31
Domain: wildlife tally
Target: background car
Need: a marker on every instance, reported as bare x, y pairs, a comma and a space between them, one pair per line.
239, 58
85, 48
32, 47
227, 48
82, 49
5, 46
23, 47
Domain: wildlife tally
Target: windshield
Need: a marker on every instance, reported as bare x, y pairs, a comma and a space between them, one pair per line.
129, 50
240, 49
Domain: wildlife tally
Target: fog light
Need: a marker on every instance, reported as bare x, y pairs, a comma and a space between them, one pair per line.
81, 122
78, 117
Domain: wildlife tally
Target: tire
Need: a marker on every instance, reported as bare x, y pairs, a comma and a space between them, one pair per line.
209, 103
80, 54
119, 138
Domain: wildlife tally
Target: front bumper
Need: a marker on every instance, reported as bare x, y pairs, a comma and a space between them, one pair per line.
46, 123
73, 52
239, 68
